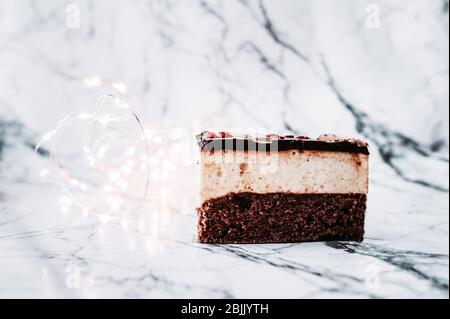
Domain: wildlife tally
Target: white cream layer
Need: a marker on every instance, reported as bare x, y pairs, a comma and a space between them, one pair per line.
305, 172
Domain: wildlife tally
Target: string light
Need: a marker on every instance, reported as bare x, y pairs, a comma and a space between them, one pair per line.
106, 188
94, 151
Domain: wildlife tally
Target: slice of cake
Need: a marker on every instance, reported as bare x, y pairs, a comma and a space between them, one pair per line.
279, 189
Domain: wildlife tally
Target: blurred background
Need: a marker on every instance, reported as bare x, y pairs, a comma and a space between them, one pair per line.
374, 70
377, 70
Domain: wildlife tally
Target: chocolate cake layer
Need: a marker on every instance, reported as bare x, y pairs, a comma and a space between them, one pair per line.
276, 143
281, 217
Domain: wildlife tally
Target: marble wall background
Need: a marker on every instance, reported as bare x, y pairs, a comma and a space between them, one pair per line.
303, 66
309, 67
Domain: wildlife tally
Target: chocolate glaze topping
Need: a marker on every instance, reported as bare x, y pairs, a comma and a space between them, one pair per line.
209, 141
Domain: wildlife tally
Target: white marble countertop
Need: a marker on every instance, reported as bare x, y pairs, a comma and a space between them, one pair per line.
307, 67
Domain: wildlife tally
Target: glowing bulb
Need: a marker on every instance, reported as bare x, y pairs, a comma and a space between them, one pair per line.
124, 186
130, 151
65, 200
105, 218
125, 224
101, 152
157, 140
126, 170
148, 132
92, 81
156, 175
114, 176
169, 165
91, 161
153, 160
164, 175
84, 116
132, 244
65, 203
47, 136
119, 86
85, 213
108, 188
44, 173
177, 133
115, 203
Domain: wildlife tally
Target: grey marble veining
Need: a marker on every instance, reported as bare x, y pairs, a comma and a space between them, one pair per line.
307, 67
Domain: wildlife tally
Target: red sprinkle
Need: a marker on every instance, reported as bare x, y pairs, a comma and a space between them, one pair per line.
224, 134
210, 135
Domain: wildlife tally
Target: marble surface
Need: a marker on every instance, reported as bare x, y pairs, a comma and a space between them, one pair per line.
307, 67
